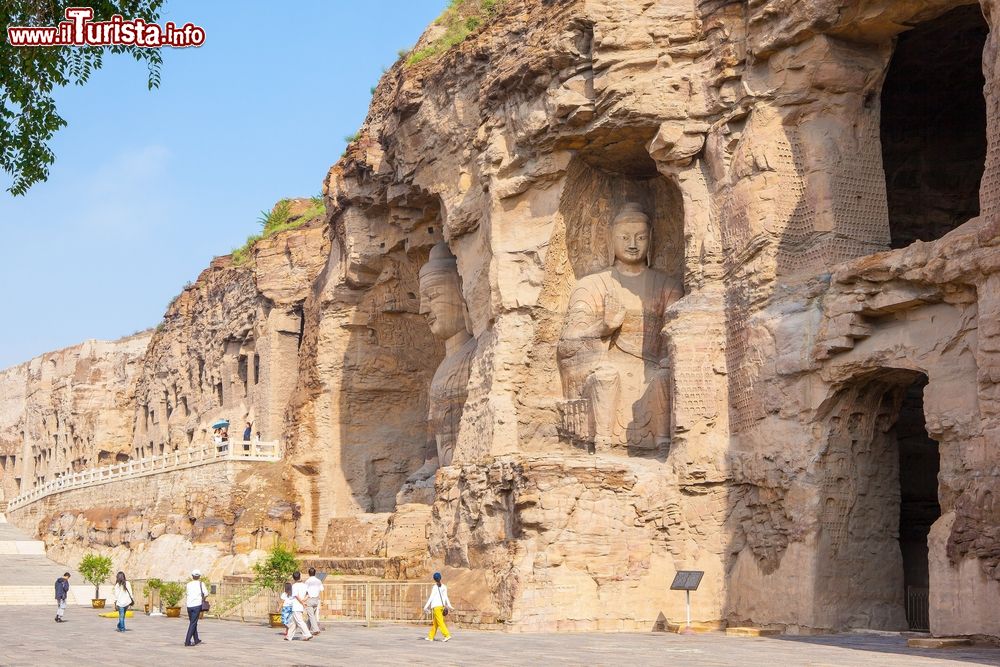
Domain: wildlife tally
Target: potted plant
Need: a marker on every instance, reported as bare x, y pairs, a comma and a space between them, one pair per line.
171, 593
272, 573
95, 569
151, 586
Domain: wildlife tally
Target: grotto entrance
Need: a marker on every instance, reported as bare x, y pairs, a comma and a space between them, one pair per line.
878, 500
934, 126
918, 503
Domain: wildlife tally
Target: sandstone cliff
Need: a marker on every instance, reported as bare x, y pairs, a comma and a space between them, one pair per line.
832, 395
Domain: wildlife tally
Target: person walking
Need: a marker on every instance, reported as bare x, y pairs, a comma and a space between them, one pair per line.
62, 592
196, 595
299, 597
314, 590
123, 598
439, 605
286, 609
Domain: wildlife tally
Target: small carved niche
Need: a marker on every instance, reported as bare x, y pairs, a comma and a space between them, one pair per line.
593, 197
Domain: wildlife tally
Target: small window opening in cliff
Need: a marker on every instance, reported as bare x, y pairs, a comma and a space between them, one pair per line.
302, 326
918, 508
256, 368
934, 126
218, 392
241, 370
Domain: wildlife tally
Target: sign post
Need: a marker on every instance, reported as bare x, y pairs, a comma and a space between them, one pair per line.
687, 581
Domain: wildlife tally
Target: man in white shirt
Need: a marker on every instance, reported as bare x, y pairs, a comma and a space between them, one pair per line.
314, 589
299, 597
196, 594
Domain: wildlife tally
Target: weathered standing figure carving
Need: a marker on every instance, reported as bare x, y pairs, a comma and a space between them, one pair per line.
441, 301
611, 354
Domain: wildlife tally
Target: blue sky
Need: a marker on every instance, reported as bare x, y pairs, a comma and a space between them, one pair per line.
148, 186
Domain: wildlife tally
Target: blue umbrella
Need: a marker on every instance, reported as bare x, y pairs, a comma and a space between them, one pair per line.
222, 423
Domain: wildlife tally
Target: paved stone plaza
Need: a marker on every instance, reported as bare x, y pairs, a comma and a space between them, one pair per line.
28, 636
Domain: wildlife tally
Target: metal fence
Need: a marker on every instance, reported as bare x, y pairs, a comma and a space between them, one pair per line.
357, 601
918, 608
342, 601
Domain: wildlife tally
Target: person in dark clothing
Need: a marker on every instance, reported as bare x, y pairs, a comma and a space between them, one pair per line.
247, 432
62, 592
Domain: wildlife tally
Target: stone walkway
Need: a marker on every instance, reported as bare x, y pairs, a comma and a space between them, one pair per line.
27, 576
28, 636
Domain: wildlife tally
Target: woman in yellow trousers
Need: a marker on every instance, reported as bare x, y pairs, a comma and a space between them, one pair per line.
438, 604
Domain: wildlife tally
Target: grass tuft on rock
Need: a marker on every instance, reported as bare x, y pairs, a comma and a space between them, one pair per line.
278, 219
459, 20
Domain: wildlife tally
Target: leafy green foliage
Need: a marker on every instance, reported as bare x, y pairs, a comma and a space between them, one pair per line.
28, 115
351, 138
275, 570
278, 219
460, 19
172, 592
95, 570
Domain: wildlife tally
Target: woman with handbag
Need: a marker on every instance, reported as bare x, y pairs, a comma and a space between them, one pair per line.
438, 604
123, 598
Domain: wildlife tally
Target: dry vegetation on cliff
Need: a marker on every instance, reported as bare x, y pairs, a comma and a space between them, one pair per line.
457, 22
287, 214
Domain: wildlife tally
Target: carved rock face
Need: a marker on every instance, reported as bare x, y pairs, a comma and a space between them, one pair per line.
630, 241
441, 301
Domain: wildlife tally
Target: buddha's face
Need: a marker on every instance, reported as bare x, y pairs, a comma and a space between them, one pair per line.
441, 301
630, 241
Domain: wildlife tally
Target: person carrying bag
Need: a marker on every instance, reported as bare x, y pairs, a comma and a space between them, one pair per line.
438, 604
123, 599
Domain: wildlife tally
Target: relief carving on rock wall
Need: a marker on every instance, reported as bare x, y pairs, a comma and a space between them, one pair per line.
612, 356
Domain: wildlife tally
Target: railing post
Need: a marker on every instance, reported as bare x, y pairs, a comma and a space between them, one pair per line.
368, 604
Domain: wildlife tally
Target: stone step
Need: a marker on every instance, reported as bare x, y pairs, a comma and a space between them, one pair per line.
696, 626
751, 632
349, 565
41, 595
938, 642
22, 548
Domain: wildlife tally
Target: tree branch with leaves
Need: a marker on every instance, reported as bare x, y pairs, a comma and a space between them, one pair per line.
28, 75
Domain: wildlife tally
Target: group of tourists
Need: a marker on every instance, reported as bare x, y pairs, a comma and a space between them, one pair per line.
299, 611
298, 598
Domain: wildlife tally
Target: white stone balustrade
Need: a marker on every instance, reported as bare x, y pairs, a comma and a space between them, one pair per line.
152, 465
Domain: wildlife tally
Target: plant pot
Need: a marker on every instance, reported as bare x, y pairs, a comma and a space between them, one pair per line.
146, 608
173, 612
97, 604
276, 619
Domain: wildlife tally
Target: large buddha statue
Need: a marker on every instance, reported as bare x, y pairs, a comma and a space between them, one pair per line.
611, 353
442, 302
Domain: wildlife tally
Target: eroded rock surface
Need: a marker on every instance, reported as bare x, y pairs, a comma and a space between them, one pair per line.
832, 406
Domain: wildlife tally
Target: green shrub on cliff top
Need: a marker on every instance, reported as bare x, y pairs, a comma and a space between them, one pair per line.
278, 219
459, 20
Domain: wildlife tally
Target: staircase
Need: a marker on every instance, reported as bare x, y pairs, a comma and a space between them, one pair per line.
27, 577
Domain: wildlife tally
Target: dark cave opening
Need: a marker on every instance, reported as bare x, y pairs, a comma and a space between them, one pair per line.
933, 126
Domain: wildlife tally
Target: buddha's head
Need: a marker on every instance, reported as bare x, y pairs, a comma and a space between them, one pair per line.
441, 293
630, 236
